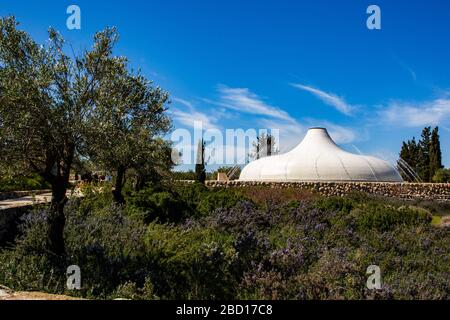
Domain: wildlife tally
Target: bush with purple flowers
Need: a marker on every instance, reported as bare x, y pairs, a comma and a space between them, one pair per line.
292, 248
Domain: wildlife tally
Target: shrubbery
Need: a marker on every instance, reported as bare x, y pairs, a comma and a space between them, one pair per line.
442, 176
22, 183
190, 242
180, 202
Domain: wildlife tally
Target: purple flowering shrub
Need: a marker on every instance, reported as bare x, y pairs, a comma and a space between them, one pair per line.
296, 247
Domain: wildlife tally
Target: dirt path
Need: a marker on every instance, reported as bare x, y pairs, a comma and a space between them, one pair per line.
7, 294
25, 201
32, 200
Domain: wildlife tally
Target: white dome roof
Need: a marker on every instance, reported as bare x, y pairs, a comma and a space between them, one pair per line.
318, 158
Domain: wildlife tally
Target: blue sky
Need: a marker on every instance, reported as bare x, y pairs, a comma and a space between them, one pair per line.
280, 64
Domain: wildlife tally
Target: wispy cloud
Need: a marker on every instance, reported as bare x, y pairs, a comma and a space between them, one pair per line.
411, 72
330, 99
243, 100
406, 67
291, 134
417, 114
188, 115
183, 102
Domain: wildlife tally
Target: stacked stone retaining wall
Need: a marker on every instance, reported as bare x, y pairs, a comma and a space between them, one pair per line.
425, 191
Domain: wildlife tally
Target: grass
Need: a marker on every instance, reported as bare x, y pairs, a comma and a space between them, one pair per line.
436, 221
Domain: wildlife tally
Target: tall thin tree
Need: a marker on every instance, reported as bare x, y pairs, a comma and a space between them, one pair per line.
200, 170
435, 153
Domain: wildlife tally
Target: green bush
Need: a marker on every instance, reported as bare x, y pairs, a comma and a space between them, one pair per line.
183, 201
129, 290
162, 206
107, 245
302, 249
383, 217
22, 183
336, 204
442, 176
219, 198
191, 263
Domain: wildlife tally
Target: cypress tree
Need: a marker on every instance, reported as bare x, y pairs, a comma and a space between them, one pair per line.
409, 154
264, 146
424, 154
200, 172
405, 156
435, 153
269, 144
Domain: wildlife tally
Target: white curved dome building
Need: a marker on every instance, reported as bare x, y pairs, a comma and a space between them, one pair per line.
318, 158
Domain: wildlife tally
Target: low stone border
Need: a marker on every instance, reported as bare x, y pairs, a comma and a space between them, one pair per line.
403, 190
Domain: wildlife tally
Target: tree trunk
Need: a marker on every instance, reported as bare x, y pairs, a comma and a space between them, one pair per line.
140, 183
56, 219
117, 193
60, 182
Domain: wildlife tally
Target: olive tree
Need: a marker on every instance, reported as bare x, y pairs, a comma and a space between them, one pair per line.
49, 101
131, 115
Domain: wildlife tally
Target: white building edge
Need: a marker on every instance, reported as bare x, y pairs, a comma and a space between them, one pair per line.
318, 158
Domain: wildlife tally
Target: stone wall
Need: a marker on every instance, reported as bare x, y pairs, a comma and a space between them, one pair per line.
426, 191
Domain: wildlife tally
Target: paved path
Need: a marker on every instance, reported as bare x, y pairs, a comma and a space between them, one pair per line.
31, 200
25, 201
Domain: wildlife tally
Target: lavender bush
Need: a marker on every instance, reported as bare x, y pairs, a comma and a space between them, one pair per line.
294, 248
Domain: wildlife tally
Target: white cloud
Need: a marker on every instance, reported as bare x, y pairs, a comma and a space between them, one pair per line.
191, 115
329, 98
290, 130
243, 100
183, 102
291, 134
405, 114
406, 67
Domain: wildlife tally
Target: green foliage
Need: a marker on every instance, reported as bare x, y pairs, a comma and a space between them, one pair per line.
183, 175
435, 153
191, 263
336, 204
219, 198
423, 158
318, 248
22, 183
130, 290
442, 176
410, 155
107, 245
91, 105
162, 206
383, 218
191, 193
50, 94
424, 154
200, 171
182, 201
264, 146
